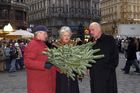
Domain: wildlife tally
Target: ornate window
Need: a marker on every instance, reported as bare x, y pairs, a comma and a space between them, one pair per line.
3, 13
19, 15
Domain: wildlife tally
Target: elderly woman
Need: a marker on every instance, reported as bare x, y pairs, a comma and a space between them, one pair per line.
64, 84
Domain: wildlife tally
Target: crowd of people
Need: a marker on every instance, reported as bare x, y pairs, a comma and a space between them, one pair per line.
11, 55
130, 46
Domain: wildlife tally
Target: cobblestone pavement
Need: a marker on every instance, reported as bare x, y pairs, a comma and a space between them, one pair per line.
16, 82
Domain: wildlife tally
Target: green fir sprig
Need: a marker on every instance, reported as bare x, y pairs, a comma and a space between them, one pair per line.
73, 60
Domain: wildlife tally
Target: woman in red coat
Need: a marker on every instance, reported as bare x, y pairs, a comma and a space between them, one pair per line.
40, 79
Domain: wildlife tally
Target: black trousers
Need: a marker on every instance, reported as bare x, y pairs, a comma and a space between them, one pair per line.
129, 63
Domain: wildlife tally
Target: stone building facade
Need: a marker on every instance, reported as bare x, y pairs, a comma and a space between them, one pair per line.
114, 12
13, 12
56, 13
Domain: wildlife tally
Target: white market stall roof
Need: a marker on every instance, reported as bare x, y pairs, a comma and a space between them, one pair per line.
21, 32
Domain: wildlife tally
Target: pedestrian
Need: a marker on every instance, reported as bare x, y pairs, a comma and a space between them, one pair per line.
13, 58
63, 83
103, 72
131, 56
138, 44
7, 56
19, 62
41, 76
2, 58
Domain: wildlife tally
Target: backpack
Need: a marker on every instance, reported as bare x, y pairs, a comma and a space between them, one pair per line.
13, 53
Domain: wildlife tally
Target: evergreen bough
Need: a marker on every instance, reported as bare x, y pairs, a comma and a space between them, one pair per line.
73, 60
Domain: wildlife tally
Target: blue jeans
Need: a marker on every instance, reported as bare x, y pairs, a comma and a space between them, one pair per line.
13, 65
8, 63
19, 64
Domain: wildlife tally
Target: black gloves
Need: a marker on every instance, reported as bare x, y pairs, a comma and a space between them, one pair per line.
48, 65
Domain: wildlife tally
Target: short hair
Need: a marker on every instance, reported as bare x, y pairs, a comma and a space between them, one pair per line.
35, 34
64, 29
95, 24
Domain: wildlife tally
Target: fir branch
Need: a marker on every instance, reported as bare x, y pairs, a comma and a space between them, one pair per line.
73, 59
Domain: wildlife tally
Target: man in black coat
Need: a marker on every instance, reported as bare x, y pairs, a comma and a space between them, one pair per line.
102, 73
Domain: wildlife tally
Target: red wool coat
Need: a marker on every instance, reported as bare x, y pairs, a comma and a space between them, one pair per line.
39, 79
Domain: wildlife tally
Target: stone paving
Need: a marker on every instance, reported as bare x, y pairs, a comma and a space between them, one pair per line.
127, 83
16, 82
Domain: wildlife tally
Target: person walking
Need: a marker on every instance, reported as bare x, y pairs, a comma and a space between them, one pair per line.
131, 57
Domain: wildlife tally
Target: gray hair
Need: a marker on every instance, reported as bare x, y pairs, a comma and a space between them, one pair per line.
35, 34
64, 29
95, 24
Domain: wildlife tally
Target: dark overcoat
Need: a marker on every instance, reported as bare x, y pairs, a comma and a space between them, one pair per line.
63, 83
102, 73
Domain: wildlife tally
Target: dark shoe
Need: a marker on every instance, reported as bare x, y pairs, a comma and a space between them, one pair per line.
122, 69
137, 71
21, 68
12, 71
126, 72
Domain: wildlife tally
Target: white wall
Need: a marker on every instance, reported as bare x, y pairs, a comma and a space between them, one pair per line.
129, 29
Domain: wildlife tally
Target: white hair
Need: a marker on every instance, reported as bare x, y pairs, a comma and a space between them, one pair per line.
35, 34
95, 24
64, 29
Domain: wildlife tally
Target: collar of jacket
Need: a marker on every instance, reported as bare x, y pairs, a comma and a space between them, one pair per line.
60, 43
37, 40
102, 37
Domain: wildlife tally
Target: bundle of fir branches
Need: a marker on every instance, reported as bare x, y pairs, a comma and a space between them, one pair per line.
73, 59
